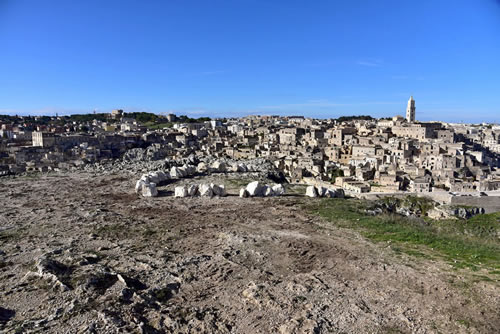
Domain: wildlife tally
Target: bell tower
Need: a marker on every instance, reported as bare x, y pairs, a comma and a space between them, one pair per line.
410, 110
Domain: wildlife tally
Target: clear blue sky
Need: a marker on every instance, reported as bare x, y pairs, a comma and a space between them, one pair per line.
237, 57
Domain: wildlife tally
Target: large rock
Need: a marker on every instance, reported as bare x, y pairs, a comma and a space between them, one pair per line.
182, 172
162, 176
192, 159
278, 189
138, 186
202, 167
192, 190
149, 190
339, 193
254, 188
218, 166
218, 190
154, 177
175, 173
267, 191
311, 191
232, 167
242, 168
330, 193
190, 170
322, 191
206, 190
181, 191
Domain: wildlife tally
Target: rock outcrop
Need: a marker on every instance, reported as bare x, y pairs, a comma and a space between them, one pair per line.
450, 211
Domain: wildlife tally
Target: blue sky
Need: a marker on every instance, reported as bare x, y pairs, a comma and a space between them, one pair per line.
231, 58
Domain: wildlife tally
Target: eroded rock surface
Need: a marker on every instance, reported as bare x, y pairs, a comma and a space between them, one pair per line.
259, 265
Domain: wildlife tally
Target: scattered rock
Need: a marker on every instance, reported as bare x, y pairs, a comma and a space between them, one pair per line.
218, 166
278, 189
149, 190
192, 190
267, 191
202, 167
311, 191
254, 189
218, 190
322, 191
138, 186
206, 190
181, 191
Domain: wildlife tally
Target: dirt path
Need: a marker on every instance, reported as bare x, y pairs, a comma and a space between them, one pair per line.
84, 253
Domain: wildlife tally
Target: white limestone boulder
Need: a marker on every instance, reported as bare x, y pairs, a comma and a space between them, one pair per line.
218, 190
182, 172
233, 167
267, 191
154, 177
254, 189
138, 186
201, 168
149, 190
145, 178
322, 191
181, 191
278, 189
244, 193
175, 173
218, 166
206, 190
311, 191
192, 190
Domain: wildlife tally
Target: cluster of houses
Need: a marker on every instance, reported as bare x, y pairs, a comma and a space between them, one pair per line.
358, 154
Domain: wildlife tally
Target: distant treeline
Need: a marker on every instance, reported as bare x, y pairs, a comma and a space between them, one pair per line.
84, 118
141, 117
354, 118
146, 117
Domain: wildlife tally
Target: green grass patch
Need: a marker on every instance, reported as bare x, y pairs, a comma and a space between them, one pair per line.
238, 183
297, 189
157, 126
13, 235
472, 243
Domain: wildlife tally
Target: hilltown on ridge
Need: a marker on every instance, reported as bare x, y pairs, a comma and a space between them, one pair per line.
358, 154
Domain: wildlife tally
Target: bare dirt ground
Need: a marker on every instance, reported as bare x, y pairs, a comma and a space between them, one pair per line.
82, 253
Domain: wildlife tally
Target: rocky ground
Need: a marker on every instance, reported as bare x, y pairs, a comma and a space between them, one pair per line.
82, 253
